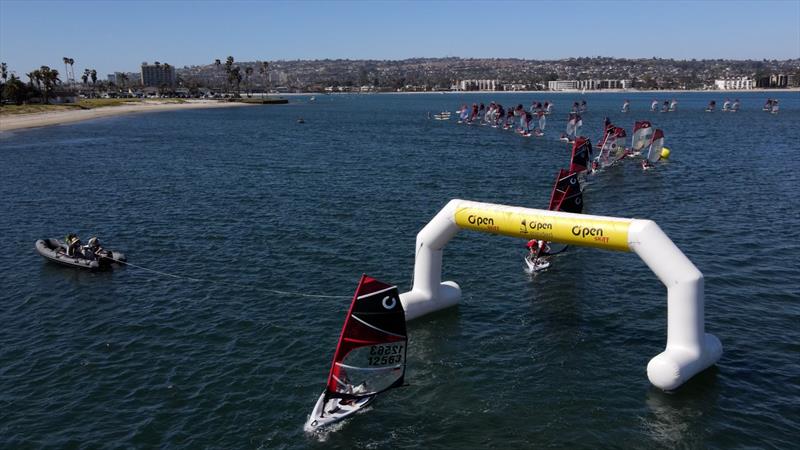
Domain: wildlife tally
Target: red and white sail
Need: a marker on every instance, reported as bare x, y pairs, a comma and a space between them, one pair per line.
371, 355
656, 145
612, 148
642, 133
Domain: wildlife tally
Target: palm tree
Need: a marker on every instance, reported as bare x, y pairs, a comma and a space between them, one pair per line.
217, 64
264, 71
3, 75
93, 74
235, 76
49, 78
85, 76
66, 69
71, 73
247, 72
123, 80
35, 77
228, 69
14, 89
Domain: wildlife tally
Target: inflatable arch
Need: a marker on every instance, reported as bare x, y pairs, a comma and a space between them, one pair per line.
689, 348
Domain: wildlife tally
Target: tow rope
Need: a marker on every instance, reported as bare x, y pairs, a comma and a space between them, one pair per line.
273, 291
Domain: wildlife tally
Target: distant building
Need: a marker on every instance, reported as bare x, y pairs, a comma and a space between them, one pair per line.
158, 74
778, 80
478, 85
735, 83
588, 85
562, 85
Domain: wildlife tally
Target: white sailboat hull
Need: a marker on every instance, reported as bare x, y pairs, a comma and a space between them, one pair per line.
326, 413
536, 266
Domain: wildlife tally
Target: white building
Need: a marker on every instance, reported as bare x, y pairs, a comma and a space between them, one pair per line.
477, 85
735, 83
562, 85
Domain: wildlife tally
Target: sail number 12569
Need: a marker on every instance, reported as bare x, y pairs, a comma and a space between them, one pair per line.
380, 355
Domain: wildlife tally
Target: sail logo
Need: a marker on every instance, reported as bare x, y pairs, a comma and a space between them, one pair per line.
388, 305
583, 232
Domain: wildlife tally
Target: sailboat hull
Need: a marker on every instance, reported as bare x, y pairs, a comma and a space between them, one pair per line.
536, 266
328, 412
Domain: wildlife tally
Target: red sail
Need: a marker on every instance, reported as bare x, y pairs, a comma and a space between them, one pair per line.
371, 355
581, 153
566, 195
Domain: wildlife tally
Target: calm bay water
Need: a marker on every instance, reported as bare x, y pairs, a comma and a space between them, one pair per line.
248, 201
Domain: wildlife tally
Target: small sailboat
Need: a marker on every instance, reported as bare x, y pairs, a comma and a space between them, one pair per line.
726, 105
774, 108
673, 105
444, 115
712, 105
626, 106
642, 132
612, 146
574, 124
567, 196
654, 105
735, 106
581, 155
654, 152
370, 357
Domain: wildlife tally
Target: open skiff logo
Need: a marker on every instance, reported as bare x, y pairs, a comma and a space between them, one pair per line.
386, 302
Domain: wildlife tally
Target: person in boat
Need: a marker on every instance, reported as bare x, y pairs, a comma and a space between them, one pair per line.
73, 244
583, 106
535, 248
575, 107
93, 247
665, 108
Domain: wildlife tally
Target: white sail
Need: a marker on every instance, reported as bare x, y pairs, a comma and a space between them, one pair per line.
656, 145
642, 132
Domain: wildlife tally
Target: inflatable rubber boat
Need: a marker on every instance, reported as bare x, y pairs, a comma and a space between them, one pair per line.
56, 251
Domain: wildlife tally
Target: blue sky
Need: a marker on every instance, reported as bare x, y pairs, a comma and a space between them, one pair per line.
119, 35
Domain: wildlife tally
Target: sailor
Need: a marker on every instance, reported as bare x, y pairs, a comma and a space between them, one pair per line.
73, 244
533, 249
93, 247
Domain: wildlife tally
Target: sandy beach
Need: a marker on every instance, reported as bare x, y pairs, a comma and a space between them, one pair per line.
21, 121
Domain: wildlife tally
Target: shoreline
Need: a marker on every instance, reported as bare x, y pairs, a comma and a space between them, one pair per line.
43, 119
597, 91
